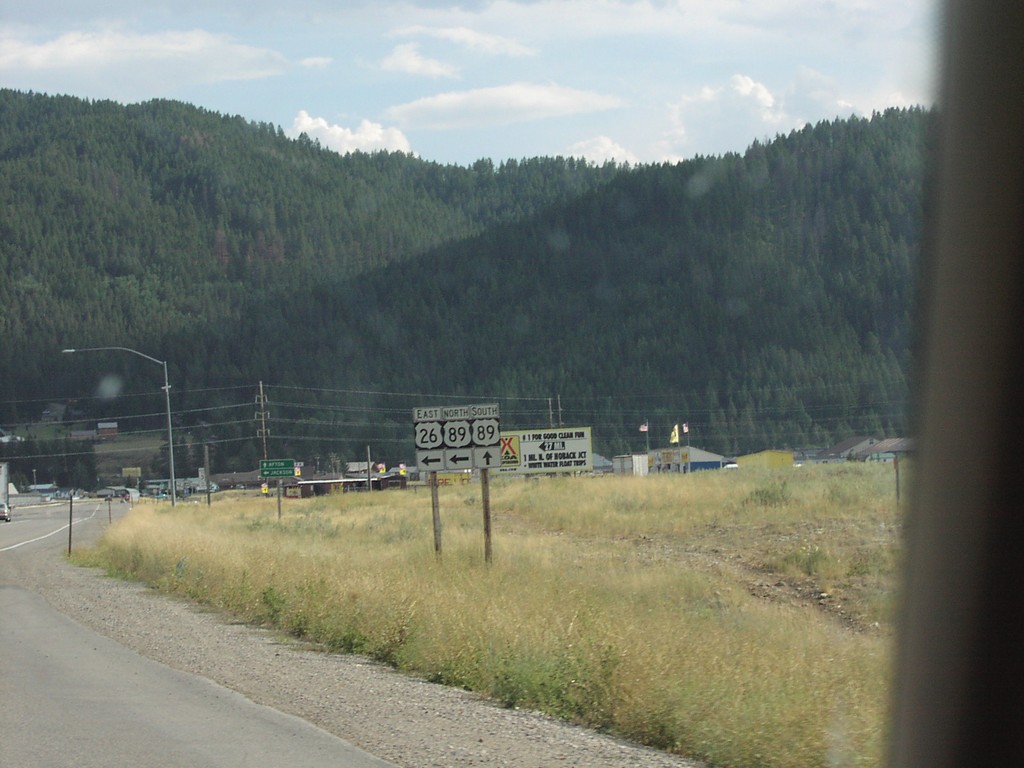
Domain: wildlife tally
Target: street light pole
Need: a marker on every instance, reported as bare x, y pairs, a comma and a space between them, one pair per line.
170, 436
167, 399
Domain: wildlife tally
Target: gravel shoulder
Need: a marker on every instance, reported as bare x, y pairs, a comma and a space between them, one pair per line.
408, 721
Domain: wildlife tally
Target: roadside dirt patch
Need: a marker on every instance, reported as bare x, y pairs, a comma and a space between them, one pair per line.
847, 598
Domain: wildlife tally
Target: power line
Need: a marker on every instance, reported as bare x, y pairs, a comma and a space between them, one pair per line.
339, 410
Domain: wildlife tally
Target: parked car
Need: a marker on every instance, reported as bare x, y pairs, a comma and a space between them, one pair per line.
5, 512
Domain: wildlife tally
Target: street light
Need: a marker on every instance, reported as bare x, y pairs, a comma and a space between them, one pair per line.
167, 396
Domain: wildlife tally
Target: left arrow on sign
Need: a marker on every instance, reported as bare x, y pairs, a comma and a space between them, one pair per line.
430, 460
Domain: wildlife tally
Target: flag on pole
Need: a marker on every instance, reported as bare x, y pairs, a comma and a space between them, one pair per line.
675, 434
643, 427
686, 427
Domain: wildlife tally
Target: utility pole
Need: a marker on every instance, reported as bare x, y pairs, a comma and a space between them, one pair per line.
206, 466
261, 417
686, 428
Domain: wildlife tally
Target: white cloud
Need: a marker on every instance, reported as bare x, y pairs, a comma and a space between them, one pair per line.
815, 93
674, 60
407, 58
494, 45
499, 105
316, 62
725, 117
368, 137
602, 149
759, 94
192, 56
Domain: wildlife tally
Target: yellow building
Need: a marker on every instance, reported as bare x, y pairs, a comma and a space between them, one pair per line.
766, 460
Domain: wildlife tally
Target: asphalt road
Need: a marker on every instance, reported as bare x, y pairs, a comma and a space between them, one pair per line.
69, 696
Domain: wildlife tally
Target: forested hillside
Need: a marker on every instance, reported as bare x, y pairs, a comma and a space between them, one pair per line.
765, 298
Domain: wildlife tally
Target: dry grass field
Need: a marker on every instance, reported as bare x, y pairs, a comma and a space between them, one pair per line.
738, 617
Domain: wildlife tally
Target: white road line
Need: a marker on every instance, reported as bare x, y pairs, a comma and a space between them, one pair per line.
46, 535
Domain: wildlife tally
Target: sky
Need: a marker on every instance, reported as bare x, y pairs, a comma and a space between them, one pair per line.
637, 81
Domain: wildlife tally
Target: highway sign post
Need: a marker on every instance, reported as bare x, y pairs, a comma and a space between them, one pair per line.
277, 468
458, 437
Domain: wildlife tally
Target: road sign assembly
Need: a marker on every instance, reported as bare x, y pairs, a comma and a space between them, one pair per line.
458, 437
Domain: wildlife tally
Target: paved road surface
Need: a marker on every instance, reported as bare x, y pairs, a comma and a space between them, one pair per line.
69, 696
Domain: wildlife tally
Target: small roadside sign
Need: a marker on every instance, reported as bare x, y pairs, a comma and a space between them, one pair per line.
277, 468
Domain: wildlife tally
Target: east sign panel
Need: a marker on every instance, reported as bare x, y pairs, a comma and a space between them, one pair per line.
562, 449
457, 437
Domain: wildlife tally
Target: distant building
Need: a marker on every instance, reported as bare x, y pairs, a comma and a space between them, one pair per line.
630, 464
886, 450
239, 480
845, 450
603, 466
54, 412
766, 460
304, 489
106, 430
685, 458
